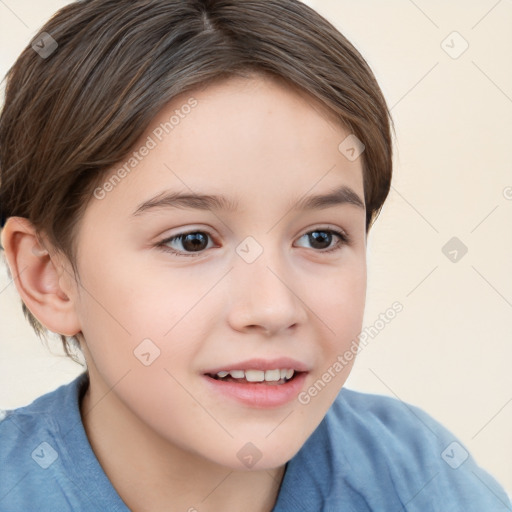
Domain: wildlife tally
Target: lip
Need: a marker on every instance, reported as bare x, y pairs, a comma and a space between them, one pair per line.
260, 395
262, 364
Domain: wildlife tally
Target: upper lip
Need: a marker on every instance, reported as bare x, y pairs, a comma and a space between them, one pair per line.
261, 364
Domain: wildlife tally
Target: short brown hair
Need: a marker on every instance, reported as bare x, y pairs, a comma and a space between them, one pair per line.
70, 116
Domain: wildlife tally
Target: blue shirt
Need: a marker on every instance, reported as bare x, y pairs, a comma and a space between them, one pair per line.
369, 453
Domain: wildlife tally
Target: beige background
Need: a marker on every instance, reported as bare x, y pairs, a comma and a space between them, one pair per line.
449, 351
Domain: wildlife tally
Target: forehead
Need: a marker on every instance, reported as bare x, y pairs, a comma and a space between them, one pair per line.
255, 138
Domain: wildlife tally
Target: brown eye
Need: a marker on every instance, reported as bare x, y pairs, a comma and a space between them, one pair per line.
192, 242
322, 239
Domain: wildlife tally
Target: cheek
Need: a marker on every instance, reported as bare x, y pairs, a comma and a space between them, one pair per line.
339, 306
339, 300
126, 314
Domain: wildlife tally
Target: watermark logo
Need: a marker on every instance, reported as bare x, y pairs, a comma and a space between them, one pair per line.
249, 455
249, 249
454, 45
146, 352
351, 147
45, 455
44, 45
454, 249
454, 455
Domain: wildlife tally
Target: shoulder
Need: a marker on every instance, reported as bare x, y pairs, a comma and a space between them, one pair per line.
17, 425
384, 417
32, 448
373, 452
424, 461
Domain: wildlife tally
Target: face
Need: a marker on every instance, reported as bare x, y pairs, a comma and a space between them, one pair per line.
178, 293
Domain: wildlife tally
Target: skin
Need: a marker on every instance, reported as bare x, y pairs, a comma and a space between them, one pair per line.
165, 440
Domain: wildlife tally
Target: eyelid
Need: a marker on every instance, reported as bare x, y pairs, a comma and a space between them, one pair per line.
329, 227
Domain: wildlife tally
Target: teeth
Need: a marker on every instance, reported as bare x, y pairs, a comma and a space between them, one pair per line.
258, 375
272, 375
254, 375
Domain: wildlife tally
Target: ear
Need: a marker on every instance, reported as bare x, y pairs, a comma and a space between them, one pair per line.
43, 282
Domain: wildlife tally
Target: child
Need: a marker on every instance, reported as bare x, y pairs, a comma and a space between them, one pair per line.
132, 131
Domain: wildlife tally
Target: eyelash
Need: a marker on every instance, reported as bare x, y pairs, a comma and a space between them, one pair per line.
344, 239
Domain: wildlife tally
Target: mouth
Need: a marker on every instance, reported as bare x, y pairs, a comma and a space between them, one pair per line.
275, 377
259, 383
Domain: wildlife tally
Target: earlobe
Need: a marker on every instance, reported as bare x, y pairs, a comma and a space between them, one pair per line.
36, 274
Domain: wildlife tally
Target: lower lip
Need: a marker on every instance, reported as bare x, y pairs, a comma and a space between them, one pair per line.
260, 395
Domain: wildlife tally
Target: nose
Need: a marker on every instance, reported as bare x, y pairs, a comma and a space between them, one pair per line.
265, 296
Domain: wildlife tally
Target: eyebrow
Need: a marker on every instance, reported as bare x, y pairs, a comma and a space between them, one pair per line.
168, 199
